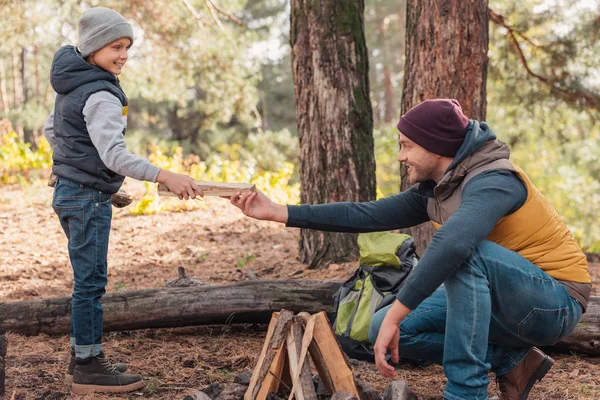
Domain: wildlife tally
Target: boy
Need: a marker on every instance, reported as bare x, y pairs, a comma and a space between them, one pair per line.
91, 161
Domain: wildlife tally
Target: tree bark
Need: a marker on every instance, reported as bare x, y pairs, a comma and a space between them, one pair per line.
334, 116
246, 302
446, 57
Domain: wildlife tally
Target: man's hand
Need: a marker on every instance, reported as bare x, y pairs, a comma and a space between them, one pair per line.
389, 338
258, 205
182, 185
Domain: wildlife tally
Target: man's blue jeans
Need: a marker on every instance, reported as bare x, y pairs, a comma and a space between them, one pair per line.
485, 317
85, 215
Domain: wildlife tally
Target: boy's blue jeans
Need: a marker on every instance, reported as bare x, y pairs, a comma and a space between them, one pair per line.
85, 215
486, 317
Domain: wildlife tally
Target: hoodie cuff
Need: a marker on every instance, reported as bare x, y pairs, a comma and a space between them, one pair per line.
410, 296
297, 216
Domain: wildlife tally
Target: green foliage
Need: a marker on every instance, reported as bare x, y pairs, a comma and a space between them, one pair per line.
229, 166
386, 158
385, 35
566, 172
17, 159
241, 262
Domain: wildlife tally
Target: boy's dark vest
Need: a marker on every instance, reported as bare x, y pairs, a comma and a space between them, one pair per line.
75, 156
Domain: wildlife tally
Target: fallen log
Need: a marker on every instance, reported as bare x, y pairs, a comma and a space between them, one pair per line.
245, 302
3, 349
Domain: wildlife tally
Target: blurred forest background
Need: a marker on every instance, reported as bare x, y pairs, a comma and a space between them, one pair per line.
211, 92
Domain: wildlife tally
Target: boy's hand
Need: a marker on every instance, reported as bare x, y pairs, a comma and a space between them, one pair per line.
182, 185
258, 205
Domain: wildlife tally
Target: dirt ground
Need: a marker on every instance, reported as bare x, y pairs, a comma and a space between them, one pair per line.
216, 244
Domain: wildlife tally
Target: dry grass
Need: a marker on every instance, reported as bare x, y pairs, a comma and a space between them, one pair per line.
215, 244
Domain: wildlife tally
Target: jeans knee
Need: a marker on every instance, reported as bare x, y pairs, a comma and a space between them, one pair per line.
88, 292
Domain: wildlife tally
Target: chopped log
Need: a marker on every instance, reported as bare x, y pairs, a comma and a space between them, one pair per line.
317, 357
305, 389
3, 349
244, 302
332, 357
213, 189
307, 340
267, 374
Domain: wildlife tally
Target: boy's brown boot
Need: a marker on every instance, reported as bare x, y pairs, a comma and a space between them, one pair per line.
69, 377
98, 375
517, 383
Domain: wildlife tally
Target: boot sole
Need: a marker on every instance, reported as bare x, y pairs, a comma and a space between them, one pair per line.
78, 388
537, 376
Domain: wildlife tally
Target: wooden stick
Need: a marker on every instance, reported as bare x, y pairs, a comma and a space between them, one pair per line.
307, 339
317, 357
306, 389
333, 358
265, 378
213, 189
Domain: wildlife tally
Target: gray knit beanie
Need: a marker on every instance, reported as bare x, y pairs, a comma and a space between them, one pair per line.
100, 26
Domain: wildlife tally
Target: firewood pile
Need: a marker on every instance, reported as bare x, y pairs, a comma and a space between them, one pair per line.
283, 369
283, 362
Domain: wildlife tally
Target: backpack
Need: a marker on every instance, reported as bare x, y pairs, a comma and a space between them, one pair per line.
386, 259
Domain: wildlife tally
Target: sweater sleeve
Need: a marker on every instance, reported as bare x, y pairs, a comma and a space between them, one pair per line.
105, 124
400, 211
485, 199
49, 131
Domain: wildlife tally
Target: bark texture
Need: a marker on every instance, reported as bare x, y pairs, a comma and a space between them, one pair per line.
446, 57
334, 116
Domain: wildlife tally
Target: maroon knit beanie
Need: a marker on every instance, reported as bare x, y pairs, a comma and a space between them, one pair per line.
436, 125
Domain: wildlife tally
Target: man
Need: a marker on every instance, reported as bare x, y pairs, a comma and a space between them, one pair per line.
501, 275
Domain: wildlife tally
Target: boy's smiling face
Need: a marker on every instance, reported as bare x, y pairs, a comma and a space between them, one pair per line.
111, 57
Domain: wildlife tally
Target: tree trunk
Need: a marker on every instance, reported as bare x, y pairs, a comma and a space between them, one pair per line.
23, 73
390, 104
334, 116
4, 100
39, 132
18, 92
446, 57
246, 302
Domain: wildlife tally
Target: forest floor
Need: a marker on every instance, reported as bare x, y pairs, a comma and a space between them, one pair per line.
216, 244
